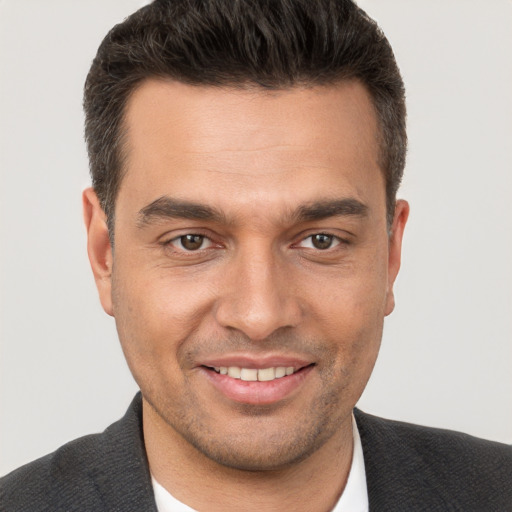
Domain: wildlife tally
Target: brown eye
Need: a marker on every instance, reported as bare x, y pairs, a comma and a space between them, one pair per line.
322, 241
191, 242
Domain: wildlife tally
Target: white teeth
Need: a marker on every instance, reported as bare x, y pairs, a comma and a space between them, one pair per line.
266, 374
249, 374
234, 371
253, 374
280, 372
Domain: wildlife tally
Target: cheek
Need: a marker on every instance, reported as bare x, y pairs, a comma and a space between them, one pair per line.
353, 303
356, 332
156, 312
350, 313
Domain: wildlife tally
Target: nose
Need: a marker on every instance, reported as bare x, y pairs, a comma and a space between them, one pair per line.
258, 296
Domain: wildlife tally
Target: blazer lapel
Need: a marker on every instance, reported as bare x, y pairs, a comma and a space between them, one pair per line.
397, 476
123, 479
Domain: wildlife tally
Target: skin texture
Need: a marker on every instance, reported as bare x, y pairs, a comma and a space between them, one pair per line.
257, 289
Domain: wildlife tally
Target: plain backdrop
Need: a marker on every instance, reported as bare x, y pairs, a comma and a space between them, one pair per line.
447, 349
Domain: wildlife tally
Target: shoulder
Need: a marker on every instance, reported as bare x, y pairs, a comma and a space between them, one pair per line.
450, 468
41, 484
106, 471
431, 442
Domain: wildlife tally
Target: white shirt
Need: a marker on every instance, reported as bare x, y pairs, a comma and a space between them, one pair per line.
353, 499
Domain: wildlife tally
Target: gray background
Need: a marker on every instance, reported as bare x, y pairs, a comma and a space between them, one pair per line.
447, 351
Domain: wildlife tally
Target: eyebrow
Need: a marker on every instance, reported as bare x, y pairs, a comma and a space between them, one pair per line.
166, 207
319, 210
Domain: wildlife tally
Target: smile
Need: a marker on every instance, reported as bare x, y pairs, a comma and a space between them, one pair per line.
257, 386
253, 374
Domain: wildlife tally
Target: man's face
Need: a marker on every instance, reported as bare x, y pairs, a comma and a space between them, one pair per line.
251, 237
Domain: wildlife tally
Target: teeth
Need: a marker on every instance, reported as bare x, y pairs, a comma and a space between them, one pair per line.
280, 372
253, 374
234, 371
249, 374
266, 374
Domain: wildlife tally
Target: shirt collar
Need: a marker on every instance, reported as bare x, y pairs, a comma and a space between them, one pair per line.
355, 494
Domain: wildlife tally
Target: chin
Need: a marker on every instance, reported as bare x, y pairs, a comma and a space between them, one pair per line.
263, 442
245, 453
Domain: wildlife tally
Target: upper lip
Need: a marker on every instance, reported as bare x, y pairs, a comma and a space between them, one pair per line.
256, 362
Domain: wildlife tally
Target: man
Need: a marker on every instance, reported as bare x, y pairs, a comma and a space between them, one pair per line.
244, 232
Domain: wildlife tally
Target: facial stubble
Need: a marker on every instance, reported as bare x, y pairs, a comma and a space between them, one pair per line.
261, 437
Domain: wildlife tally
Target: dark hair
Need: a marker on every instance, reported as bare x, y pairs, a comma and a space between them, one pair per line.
273, 44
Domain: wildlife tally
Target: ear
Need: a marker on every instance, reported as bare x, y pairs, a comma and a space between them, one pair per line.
395, 250
99, 248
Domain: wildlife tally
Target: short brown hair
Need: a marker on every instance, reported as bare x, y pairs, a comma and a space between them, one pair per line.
272, 44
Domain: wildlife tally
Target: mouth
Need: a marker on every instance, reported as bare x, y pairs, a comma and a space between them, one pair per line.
256, 374
257, 386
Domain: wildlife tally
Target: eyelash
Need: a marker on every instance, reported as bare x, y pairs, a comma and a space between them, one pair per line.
335, 242
179, 240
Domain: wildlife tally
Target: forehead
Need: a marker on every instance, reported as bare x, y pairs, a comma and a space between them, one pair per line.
208, 143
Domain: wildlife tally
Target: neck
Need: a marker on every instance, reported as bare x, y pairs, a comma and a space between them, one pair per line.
315, 483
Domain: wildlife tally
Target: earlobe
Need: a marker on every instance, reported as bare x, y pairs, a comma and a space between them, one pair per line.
395, 250
99, 247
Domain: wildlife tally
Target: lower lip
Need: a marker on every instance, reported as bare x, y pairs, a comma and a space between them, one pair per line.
256, 392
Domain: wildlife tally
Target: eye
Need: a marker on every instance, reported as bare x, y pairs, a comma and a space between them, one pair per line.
191, 242
321, 241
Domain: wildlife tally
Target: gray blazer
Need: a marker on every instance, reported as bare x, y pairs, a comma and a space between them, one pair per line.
408, 468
